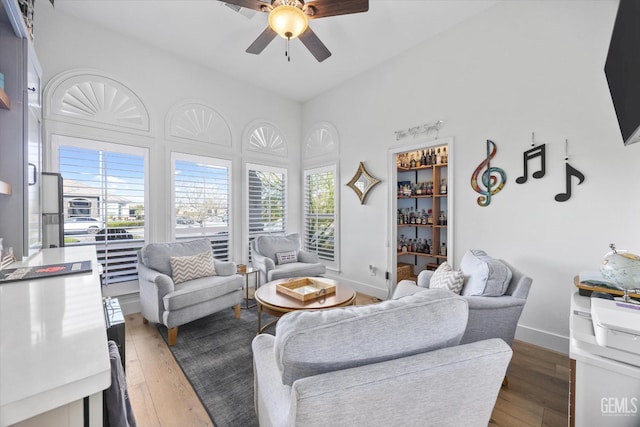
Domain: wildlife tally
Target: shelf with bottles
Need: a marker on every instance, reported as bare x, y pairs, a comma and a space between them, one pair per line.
408, 217
423, 159
422, 246
422, 254
423, 186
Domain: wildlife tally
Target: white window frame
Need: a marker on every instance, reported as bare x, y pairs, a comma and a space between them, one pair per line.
335, 263
58, 140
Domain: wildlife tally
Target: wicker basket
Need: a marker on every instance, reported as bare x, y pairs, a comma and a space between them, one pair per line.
405, 272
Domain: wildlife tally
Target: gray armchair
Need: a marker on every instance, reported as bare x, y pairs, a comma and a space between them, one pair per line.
278, 257
367, 365
489, 316
206, 286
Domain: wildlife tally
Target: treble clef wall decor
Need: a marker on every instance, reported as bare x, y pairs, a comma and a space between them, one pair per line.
493, 179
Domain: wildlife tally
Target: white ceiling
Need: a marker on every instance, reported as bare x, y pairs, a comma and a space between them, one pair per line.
211, 34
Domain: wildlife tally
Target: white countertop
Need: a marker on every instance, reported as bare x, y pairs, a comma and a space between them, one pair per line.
53, 341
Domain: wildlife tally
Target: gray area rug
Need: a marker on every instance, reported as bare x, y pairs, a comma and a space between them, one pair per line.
215, 355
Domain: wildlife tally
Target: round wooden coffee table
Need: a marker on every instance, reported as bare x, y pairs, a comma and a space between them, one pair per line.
276, 304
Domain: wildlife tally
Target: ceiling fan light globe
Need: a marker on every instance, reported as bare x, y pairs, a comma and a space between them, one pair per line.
288, 21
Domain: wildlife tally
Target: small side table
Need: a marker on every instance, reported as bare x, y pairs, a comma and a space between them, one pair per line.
247, 273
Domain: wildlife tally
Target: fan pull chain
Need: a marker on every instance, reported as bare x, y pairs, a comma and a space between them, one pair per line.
286, 52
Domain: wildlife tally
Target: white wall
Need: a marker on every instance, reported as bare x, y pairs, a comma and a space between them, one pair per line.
161, 81
519, 67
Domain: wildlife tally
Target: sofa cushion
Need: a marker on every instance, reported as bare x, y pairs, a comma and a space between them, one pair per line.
184, 268
448, 278
313, 342
286, 257
203, 289
484, 275
157, 256
296, 269
270, 245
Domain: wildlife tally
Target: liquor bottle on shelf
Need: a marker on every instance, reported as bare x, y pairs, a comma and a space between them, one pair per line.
443, 249
412, 162
423, 158
442, 219
438, 157
429, 216
445, 157
443, 186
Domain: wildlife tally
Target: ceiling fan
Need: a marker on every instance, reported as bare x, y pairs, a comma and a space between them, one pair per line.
289, 19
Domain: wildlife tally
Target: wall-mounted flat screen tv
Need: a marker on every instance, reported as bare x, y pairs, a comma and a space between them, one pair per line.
623, 69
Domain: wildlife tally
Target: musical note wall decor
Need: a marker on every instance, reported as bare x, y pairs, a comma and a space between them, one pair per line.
492, 180
570, 172
532, 153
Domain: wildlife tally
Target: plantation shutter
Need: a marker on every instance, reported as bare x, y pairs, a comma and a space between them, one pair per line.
320, 213
266, 201
201, 188
104, 187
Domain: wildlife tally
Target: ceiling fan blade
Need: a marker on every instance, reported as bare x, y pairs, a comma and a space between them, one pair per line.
262, 41
323, 8
315, 46
258, 5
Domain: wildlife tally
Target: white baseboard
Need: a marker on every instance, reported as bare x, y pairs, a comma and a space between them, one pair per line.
544, 339
364, 288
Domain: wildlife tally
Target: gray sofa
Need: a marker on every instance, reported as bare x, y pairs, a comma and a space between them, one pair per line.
162, 300
397, 362
265, 251
494, 315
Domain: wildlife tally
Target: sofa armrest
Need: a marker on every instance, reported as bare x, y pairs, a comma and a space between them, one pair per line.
493, 303
224, 268
163, 283
262, 262
271, 397
308, 257
405, 288
424, 277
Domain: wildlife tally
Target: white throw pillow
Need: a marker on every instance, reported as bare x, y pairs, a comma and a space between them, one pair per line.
448, 278
184, 268
286, 257
484, 275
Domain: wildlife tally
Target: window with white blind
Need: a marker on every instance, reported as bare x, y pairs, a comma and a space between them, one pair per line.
266, 200
104, 201
201, 198
320, 230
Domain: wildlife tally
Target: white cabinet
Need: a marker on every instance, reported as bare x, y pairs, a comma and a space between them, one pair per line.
20, 137
54, 349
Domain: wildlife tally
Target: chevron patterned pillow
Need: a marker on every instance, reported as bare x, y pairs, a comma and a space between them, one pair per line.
447, 277
185, 268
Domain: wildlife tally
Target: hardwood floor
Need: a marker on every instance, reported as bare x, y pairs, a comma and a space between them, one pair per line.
537, 393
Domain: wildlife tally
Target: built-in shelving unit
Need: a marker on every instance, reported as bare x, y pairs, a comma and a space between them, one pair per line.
5, 102
423, 208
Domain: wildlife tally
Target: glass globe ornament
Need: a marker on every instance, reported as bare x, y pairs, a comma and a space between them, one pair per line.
622, 268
